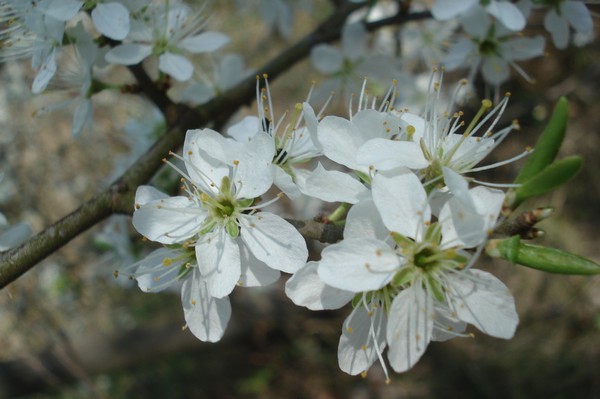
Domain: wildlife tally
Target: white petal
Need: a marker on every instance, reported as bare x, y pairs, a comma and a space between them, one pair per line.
312, 124
169, 220
196, 94
218, 257
82, 117
495, 70
152, 280
207, 156
446, 326
460, 54
357, 350
145, 194
364, 221
476, 21
205, 42
481, 299
254, 172
206, 317
523, 48
488, 202
274, 241
459, 187
15, 235
128, 54
385, 154
285, 183
508, 14
410, 325
326, 59
45, 73
245, 129
331, 186
179, 67
354, 41
63, 10
578, 16
305, 288
111, 20
340, 139
254, 272
358, 265
402, 202
558, 28
468, 151
443, 10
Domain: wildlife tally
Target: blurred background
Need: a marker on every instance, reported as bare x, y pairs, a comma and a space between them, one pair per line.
69, 329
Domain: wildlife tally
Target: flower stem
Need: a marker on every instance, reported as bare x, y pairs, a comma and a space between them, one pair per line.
339, 213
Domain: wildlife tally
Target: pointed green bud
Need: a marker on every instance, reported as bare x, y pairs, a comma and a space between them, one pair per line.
225, 187
548, 144
436, 289
245, 202
433, 234
402, 241
208, 227
363, 177
552, 177
546, 259
403, 277
232, 228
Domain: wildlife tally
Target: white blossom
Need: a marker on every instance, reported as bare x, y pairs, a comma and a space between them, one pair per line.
493, 53
233, 241
410, 287
167, 32
507, 13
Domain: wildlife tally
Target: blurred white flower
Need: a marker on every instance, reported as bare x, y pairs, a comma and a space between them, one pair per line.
493, 54
561, 17
167, 32
351, 63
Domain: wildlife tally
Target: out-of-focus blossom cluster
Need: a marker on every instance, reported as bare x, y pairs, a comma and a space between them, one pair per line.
97, 34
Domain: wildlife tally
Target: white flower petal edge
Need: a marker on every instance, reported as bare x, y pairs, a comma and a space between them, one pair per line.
364, 221
206, 317
358, 264
149, 280
384, 154
305, 288
362, 340
402, 202
254, 272
167, 220
273, 241
481, 299
111, 20
331, 186
409, 327
218, 257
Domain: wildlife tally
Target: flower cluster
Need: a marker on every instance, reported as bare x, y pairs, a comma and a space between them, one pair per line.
121, 32
411, 237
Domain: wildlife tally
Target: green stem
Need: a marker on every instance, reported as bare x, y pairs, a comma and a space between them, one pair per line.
339, 213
